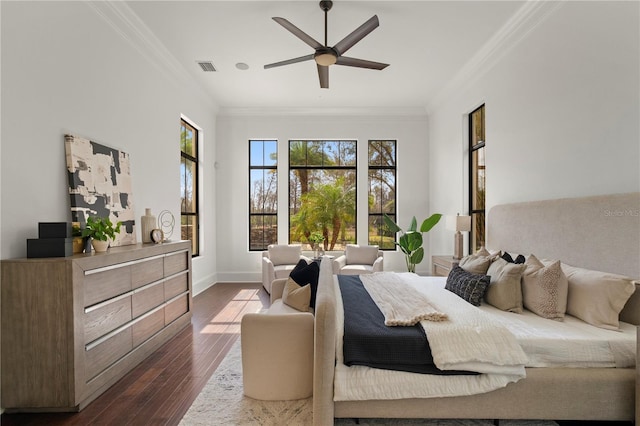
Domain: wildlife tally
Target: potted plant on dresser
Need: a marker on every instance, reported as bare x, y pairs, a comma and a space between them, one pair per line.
100, 230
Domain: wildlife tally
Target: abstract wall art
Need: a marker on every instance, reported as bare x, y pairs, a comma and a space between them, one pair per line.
100, 185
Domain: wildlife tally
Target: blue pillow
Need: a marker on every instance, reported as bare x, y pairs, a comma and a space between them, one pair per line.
304, 274
470, 287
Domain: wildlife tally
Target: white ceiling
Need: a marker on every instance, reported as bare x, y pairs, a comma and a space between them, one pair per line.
426, 44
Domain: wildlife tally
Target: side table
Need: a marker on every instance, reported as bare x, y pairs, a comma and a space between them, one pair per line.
442, 265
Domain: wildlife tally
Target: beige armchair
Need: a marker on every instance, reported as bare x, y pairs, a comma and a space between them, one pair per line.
358, 260
278, 261
277, 351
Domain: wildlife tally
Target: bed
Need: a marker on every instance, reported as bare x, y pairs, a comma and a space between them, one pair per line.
599, 233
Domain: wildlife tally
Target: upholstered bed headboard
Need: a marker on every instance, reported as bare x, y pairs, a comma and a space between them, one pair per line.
599, 232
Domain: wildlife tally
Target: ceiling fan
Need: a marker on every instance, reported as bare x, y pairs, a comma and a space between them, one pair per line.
325, 55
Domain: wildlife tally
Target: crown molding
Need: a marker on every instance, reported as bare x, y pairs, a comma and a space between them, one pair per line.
523, 22
409, 112
124, 21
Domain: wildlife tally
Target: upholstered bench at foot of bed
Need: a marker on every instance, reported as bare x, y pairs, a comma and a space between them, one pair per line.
277, 351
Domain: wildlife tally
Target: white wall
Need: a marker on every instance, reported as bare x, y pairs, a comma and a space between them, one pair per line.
235, 261
562, 114
65, 69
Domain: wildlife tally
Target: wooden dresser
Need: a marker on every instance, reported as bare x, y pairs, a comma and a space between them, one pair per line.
72, 327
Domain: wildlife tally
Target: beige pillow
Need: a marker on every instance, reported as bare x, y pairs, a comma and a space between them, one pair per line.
298, 297
504, 291
544, 289
475, 264
597, 297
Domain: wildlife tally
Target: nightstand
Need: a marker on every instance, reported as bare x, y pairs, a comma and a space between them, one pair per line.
442, 265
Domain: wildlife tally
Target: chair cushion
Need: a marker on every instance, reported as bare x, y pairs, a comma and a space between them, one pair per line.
284, 254
362, 255
278, 307
283, 271
304, 274
356, 269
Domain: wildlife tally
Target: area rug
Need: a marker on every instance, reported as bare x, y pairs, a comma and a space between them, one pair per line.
221, 402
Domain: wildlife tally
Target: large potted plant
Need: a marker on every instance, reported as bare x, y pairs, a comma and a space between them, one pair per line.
100, 230
410, 242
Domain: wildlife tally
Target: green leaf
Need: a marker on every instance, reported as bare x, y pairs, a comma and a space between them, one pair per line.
417, 256
413, 227
414, 240
391, 224
430, 222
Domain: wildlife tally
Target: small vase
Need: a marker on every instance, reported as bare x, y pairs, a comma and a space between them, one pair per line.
99, 246
87, 244
147, 224
78, 245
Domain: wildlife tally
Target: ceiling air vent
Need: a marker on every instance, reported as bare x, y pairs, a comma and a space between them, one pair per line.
206, 66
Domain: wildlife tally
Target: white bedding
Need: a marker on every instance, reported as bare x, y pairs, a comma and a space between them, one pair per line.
568, 343
571, 343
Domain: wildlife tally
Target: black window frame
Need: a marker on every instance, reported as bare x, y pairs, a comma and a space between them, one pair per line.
195, 244
354, 167
253, 246
477, 214
379, 216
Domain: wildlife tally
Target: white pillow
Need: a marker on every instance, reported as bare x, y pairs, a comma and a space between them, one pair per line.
597, 297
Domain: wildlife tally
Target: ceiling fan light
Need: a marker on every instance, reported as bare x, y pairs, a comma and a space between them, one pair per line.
326, 59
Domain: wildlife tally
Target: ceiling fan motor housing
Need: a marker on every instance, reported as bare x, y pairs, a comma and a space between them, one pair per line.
326, 5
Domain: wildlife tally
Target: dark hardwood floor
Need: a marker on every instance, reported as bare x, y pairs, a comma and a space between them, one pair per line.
162, 388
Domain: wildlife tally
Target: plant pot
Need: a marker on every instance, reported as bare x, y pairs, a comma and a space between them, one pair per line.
78, 245
100, 246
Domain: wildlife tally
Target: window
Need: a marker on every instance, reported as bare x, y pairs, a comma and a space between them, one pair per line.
263, 194
189, 219
322, 192
382, 192
477, 183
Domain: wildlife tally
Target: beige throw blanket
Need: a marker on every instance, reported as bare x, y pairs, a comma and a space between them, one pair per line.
401, 305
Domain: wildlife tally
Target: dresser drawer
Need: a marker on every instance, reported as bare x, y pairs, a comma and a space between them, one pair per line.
106, 317
146, 272
176, 308
105, 284
176, 285
176, 262
147, 298
100, 356
147, 327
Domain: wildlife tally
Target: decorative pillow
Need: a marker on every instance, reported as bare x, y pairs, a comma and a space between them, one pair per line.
475, 264
361, 255
504, 291
304, 274
518, 260
284, 254
470, 287
483, 252
298, 297
544, 289
597, 297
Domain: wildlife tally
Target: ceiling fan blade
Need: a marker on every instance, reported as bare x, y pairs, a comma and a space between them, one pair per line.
357, 35
298, 33
323, 73
360, 63
290, 61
